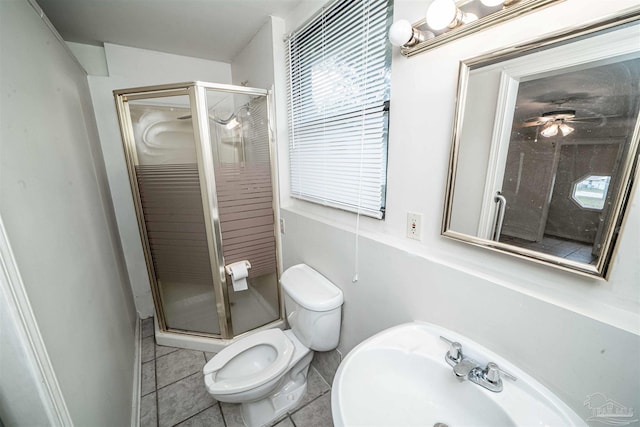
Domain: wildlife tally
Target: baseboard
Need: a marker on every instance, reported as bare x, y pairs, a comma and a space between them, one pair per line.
18, 302
137, 372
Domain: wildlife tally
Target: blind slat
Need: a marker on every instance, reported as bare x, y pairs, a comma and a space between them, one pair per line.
338, 70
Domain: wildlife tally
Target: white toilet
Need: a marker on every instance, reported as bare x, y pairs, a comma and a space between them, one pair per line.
267, 371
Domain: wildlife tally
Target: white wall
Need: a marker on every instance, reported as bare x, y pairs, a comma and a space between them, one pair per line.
573, 355
573, 333
254, 64
127, 68
93, 60
56, 207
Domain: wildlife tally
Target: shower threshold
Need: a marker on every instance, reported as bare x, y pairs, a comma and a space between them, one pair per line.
200, 343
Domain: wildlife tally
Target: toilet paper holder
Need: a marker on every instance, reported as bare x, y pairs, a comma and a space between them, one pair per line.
228, 267
239, 272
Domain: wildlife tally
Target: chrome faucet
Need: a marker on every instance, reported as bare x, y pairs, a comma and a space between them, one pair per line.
488, 377
464, 368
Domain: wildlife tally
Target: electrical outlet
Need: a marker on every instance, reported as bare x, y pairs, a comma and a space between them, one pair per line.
414, 225
281, 225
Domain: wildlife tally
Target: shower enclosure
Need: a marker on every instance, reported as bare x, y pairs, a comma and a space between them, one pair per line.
199, 157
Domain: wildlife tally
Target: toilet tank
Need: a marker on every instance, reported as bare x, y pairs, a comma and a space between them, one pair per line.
313, 306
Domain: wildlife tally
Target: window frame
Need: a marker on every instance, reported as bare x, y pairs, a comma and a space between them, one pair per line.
300, 90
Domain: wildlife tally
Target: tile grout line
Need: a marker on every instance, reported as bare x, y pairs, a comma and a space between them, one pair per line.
176, 381
310, 402
197, 413
224, 421
142, 370
289, 414
321, 377
179, 379
171, 352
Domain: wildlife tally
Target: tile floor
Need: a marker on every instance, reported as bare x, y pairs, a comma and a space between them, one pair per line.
173, 392
569, 249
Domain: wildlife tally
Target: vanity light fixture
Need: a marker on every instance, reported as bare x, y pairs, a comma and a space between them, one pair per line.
443, 14
448, 20
402, 33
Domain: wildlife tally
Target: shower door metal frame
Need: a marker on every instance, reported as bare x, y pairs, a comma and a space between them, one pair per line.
196, 91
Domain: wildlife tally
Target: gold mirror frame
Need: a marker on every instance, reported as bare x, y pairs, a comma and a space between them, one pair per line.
629, 167
519, 8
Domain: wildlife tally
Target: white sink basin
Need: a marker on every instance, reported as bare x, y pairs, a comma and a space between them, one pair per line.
399, 378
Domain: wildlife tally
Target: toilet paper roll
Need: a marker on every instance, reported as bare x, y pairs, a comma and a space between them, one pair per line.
238, 272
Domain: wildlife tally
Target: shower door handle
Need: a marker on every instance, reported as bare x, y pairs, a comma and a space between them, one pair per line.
502, 205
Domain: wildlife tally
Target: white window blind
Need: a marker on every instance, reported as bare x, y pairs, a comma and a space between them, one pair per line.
339, 70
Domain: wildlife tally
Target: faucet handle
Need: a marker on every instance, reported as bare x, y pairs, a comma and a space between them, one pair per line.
455, 350
492, 373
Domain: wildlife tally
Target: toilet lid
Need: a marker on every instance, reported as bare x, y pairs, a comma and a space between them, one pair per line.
233, 370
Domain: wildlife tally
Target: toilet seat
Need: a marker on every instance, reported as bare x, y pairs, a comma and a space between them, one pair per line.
236, 379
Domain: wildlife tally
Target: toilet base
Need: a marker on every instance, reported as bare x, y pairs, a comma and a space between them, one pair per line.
294, 387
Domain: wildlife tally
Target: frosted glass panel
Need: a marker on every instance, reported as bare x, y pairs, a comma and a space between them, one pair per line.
169, 186
240, 139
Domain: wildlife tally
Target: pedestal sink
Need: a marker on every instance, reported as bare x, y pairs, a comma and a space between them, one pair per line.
399, 378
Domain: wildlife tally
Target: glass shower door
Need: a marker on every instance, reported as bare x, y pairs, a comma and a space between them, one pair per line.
199, 161
239, 135
169, 188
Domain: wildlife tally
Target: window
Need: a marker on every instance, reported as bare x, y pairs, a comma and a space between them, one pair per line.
339, 69
590, 192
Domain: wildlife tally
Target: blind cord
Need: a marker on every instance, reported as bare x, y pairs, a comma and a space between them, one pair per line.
365, 51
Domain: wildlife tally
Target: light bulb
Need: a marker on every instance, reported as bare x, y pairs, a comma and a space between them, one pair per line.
549, 129
441, 14
565, 129
492, 3
400, 32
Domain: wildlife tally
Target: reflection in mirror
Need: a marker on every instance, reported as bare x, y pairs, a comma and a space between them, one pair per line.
545, 147
569, 137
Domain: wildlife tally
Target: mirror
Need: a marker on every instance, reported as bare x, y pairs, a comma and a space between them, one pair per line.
546, 144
